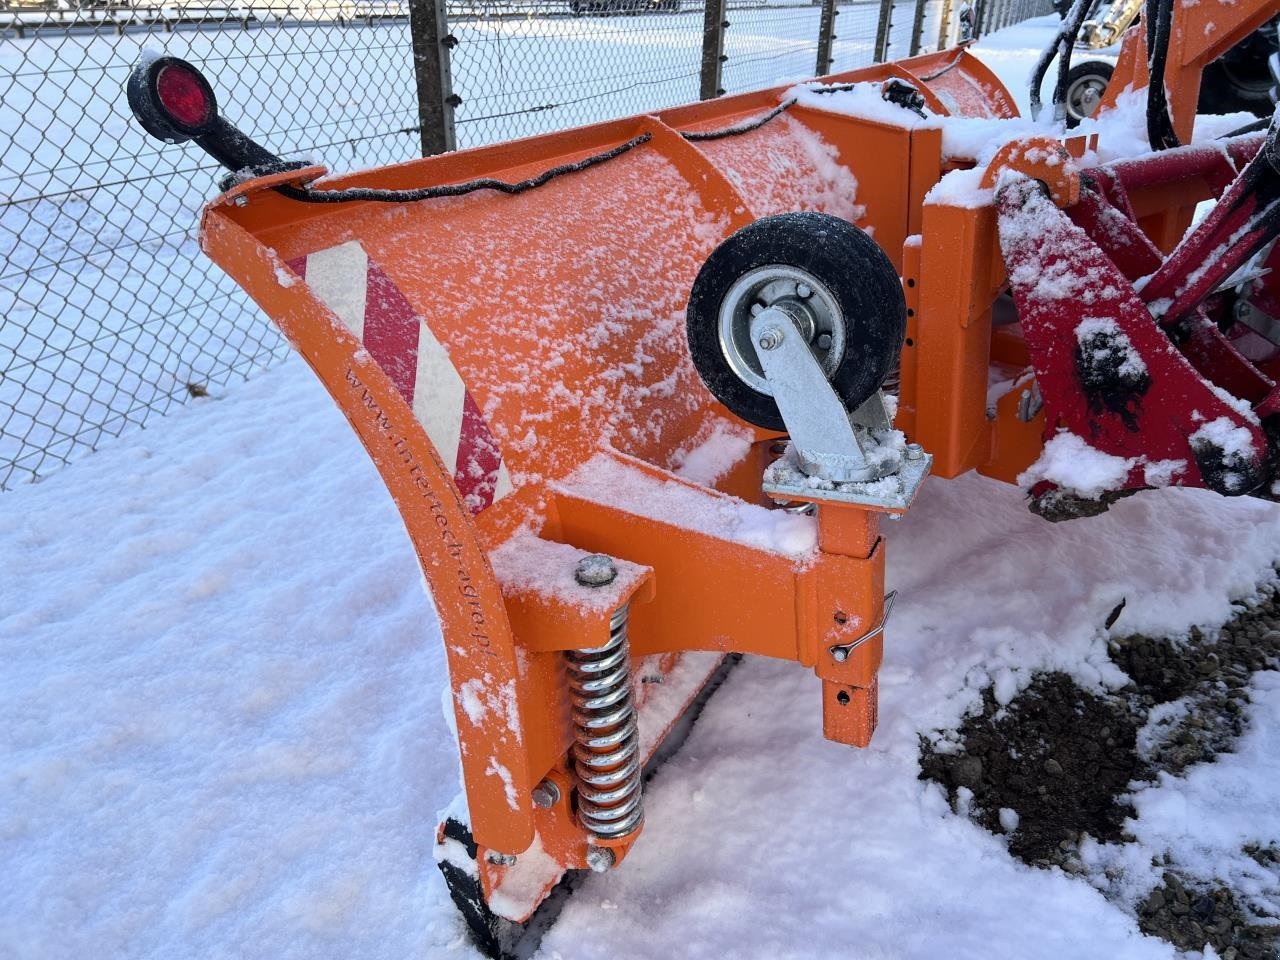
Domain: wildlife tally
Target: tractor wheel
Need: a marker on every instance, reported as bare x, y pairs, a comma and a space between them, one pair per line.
1228, 86
1085, 85
824, 270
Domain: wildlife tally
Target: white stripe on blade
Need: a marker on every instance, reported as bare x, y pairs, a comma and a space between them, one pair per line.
339, 277
438, 394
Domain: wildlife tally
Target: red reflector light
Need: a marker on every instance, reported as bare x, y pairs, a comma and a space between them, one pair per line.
183, 96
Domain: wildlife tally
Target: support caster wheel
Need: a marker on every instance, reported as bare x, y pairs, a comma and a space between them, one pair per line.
839, 286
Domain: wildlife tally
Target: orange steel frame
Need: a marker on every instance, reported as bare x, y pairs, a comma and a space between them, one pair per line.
699, 592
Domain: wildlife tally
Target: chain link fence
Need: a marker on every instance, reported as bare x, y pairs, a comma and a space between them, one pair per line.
111, 316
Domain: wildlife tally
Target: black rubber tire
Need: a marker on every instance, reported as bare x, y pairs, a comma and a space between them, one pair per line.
1232, 88
1099, 68
859, 275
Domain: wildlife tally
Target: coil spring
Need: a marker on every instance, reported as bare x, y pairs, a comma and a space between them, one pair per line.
606, 751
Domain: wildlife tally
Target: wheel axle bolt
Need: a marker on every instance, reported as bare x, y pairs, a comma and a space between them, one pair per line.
824, 341
804, 291
546, 795
757, 309
771, 339
599, 859
596, 570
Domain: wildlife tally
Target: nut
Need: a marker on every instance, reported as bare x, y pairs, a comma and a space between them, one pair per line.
546, 795
599, 859
596, 570
771, 339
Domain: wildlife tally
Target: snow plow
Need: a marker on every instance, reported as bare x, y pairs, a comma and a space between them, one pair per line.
645, 392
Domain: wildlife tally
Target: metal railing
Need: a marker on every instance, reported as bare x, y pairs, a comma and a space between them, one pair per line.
111, 316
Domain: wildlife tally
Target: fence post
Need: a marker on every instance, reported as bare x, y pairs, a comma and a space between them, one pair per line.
826, 34
431, 40
980, 18
944, 28
713, 24
882, 31
917, 26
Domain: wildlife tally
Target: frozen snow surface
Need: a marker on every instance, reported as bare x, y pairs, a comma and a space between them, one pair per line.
221, 733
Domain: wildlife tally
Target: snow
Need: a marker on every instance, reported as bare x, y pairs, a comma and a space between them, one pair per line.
222, 736
220, 732
526, 565
606, 479
709, 459
1112, 339
1068, 461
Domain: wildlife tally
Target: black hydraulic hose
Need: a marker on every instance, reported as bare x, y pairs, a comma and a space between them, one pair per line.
308, 195
1061, 48
1078, 14
1159, 29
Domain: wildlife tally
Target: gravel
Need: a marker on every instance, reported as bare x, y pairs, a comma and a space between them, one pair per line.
1056, 765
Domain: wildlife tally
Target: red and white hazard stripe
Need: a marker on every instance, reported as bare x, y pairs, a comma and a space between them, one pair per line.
372, 307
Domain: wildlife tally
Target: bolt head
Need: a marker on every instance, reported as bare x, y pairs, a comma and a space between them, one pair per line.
839, 654
757, 309
600, 859
546, 795
915, 451
501, 859
596, 570
824, 341
804, 291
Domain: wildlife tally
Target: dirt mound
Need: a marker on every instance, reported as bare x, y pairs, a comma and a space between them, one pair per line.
1059, 757
1055, 764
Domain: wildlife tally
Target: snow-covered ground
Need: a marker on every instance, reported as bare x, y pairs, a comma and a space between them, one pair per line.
221, 731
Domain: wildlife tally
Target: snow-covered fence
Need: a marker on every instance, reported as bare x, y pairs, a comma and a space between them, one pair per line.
994, 15
111, 316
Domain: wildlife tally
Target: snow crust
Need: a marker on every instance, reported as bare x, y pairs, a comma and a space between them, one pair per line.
221, 733
1069, 462
604, 479
527, 564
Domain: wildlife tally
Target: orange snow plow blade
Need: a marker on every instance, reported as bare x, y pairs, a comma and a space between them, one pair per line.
520, 335
498, 354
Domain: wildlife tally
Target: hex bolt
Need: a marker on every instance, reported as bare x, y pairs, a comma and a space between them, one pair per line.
757, 309
804, 291
501, 859
771, 339
915, 451
599, 859
546, 795
824, 341
596, 570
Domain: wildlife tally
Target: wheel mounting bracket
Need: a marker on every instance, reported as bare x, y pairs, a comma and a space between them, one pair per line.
830, 443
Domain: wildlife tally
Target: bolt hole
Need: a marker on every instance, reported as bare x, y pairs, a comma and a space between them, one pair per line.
911, 281
841, 617
910, 342
842, 698
910, 312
